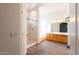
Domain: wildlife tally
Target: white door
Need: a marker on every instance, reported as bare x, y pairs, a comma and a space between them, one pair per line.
77, 29
72, 29
10, 29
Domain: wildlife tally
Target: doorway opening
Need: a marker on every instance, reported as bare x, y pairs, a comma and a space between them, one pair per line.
47, 29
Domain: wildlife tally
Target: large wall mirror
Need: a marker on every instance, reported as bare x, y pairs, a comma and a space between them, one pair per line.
59, 27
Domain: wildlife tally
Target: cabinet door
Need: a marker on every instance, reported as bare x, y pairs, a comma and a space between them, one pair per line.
54, 37
58, 38
51, 37
48, 37
61, 38
10, 30
65, 39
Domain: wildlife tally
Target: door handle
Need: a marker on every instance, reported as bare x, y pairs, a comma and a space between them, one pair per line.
68, 46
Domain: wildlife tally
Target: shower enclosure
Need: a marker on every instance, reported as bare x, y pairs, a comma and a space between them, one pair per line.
32, 24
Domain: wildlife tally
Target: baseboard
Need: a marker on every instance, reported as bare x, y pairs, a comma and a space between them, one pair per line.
40, 41
9, 53
35, 43
31, 45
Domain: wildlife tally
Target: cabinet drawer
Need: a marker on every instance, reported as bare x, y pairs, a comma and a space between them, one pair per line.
65, 39
48, 37
58, 38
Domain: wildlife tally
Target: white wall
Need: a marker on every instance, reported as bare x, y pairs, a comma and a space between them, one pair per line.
51, 12
10, 29
44, 27
54, 11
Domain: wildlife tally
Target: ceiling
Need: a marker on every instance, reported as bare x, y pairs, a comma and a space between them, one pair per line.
54, 10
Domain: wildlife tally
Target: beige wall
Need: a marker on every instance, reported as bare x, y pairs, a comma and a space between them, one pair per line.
10, 29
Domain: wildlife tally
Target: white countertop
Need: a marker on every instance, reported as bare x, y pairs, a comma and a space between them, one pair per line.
60, 33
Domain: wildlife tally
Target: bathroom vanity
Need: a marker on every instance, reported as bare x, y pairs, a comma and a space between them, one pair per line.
57, 37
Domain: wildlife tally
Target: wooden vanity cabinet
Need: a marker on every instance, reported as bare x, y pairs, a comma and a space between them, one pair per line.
57, 38
51, 37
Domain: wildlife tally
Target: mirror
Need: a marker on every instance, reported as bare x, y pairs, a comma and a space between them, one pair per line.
59, 27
